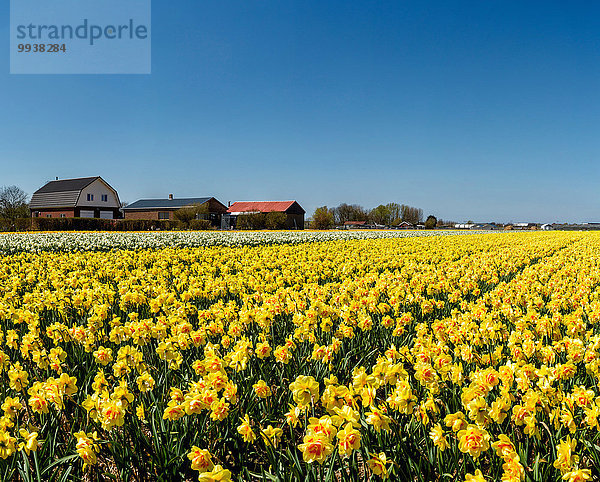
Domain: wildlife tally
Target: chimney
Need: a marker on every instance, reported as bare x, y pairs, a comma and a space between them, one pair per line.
170, 197
57, 178
228, 204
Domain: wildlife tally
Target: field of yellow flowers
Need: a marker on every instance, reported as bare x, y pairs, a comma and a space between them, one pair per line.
465, 358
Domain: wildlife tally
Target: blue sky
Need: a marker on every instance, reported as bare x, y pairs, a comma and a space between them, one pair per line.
483, 110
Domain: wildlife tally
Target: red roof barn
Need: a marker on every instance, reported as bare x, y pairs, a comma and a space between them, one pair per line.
292, 210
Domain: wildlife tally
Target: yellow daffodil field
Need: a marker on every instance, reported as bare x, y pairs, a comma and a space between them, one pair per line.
409, 358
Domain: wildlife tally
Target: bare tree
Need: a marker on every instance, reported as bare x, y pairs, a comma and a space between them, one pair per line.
349, 212
395, 213
411, 214
13, 203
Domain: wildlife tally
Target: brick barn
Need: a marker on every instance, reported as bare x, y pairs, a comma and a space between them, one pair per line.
85, 197
164, 209
293, 211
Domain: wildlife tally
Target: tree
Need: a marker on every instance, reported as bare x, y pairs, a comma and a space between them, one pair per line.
395, 211
430, 222
323, 218
349, 212
13, 203
197, 211
445, 222
381, 215
411, 214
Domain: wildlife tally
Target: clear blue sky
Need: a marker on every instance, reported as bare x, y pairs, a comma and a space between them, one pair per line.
482, 110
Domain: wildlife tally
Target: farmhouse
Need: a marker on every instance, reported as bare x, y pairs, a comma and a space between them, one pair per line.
165, 208
85, 197
293, 211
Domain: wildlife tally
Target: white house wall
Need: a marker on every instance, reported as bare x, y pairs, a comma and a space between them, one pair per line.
98, 188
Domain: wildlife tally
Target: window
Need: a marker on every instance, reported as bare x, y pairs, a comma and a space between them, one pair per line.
90, 197
105, 198
48, 215
163, 215
63, 215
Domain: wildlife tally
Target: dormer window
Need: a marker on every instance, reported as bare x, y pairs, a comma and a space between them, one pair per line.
90, 197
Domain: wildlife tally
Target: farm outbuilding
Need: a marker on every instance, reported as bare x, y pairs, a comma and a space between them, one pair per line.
164, 209
293, 211
85, 197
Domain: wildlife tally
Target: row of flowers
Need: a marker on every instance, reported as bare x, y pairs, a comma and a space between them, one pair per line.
11, 243
426, 358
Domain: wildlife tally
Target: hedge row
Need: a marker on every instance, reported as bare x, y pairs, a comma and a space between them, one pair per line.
273, 220
19, 224
95, 224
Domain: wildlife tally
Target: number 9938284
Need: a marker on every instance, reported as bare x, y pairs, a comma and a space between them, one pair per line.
41, 48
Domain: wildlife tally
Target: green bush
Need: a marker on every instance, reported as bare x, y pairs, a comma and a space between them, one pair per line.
251, 221
199, 225
275, 220
136, 225
147, 225
188, 214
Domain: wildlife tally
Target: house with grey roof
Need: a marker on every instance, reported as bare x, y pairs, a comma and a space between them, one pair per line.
84, 197
164, 209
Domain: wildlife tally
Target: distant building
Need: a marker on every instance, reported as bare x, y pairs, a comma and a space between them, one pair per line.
485, 226
525, 226
355, 224
85, 197
577, 227
293, 211
164, 209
